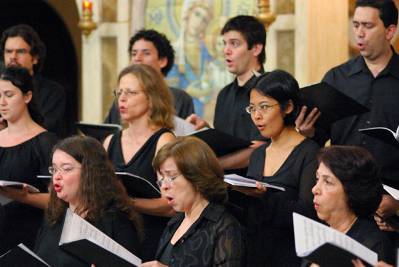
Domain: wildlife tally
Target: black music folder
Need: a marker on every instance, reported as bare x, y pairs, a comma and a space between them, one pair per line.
98, 131
333, 104
21, 256
221, 142
383, 134
137, 186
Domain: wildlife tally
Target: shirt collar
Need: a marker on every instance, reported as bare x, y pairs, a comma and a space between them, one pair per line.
392, 66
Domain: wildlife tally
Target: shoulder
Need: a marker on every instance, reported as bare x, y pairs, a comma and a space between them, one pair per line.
46, 139
342, 69
165, 138
226, 89
107, 141
179, 93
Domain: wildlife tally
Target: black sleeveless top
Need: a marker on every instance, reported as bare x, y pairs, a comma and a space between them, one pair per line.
22, 163
141, 164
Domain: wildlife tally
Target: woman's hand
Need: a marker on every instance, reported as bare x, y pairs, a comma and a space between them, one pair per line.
359, 263
253, 192
153, 264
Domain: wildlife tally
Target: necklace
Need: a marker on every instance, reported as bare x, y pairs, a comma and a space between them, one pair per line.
350, 225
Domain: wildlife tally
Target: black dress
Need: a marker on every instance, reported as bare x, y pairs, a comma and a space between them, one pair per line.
141, 164
114, 224
270, 235
22, 163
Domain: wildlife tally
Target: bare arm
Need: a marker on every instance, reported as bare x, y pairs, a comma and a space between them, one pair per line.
239, 159
38, 200
153, 206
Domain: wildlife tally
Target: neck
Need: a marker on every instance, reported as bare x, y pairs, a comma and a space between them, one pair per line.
140, 125
196, 209
21, 126
286, 138
244, 77
343, 222
379, 64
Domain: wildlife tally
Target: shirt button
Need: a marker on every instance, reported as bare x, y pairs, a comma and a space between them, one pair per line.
368, 122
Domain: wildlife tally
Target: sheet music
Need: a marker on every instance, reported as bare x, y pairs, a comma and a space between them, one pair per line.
309, 235
27, 250
182, 127
76, 228
392, 191
238, 180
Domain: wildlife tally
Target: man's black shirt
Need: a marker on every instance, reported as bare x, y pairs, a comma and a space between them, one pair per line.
381, 96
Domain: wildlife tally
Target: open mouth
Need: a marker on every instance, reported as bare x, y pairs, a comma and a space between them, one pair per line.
57, 188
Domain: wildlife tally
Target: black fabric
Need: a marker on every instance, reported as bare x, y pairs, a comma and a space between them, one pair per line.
141, 164
270, 230
114, 224
230, 115
215, 239
182, 101
50, 101
21, 163
366, 232
381, 96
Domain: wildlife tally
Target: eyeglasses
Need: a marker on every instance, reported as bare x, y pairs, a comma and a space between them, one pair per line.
127, 92
262, 108
168, 180
53, 170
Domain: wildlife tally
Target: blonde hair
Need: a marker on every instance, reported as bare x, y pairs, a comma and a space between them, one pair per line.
157, 91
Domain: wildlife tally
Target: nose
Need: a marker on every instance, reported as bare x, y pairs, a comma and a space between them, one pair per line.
3, 100
316, 189
226, 50
137, 58
359, 31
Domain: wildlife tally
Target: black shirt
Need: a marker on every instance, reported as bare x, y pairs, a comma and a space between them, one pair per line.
50, 101
381, 96
215, 239
230, 115
182, 101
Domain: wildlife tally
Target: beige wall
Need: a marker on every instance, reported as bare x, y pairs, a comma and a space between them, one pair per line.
321, 37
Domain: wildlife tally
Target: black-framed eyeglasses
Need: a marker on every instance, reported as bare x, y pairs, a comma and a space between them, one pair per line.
262, 108
168, 180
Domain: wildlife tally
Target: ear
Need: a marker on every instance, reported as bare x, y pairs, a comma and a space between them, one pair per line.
289, 108
390, 32
35, 60
163, 62
28, 97
257, 49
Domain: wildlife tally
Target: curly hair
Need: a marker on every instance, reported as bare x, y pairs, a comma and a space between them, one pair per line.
356, 169
161, 43
158, 93
30, 36
99, 188
197, 162
21, 79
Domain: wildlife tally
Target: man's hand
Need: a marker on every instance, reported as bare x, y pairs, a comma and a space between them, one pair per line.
305, 126
197, 121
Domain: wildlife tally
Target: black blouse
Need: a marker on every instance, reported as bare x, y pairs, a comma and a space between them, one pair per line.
114, 224
22, 163
270, 227
215, 239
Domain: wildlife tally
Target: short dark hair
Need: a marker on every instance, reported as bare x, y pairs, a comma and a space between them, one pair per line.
355, 167
161, 43
21, 78
281, 86
197, 162
30, 36
252, 30
387, 9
